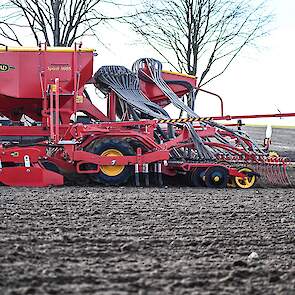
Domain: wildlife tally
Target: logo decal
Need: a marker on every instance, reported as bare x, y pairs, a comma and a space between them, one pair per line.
6, 68
59, 67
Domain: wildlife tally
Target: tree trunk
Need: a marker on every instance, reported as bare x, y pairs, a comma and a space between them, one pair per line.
56, 15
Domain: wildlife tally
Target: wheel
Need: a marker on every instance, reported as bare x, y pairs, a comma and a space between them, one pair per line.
113, 174
196, 177
216, 177
248, 181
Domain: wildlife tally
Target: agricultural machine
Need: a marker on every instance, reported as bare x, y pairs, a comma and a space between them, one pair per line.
51, 130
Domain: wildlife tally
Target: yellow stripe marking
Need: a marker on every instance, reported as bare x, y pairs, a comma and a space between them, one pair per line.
48, 49
179, 74
184, 120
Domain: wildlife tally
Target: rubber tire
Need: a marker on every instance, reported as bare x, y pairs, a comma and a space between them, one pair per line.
196, 177
50, 166
221, 172
125, 149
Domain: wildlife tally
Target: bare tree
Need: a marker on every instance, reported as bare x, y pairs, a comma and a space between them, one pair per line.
202, 36
56, 22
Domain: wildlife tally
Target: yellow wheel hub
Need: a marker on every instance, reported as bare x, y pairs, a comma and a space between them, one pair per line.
111, 170
216, 178
246, 182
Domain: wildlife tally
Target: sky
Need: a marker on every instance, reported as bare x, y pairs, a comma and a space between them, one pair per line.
259, 82
264, 82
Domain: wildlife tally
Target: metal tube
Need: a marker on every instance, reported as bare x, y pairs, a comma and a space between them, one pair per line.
57, 110
136, 174
160, 176
145, 171
51, 123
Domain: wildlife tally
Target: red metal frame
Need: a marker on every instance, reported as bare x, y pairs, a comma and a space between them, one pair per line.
112, 106
240, 117
216, 95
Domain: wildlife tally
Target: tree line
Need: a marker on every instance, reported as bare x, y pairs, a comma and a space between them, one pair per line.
201, 37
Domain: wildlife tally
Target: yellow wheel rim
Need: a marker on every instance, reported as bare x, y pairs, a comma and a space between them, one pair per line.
246, 182
110, 170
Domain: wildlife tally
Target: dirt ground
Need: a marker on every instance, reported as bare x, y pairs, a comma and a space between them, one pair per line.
283, 140
96, 240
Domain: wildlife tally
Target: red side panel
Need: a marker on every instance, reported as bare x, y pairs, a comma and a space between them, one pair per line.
31, 176
20, 71
157, 96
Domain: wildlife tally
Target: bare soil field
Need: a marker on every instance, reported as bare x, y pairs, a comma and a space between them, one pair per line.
176, 240
283, 140
95, 240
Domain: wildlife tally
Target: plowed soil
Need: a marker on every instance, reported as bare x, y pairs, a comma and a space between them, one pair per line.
96, 240
283, 140
147, 241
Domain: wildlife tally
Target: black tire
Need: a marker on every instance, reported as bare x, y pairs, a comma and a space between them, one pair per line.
196, 177
51, 166
123, 147
216, 177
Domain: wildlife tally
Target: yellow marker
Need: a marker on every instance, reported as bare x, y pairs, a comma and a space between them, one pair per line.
53, 87
79, 99
179, 74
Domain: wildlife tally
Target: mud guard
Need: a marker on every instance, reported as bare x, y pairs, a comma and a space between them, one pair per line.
30, 176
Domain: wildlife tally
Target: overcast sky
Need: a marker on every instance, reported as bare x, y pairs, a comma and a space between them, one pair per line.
264, 81
258, 82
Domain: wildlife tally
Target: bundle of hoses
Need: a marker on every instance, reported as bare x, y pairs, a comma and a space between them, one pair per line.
126, 85
151, 69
